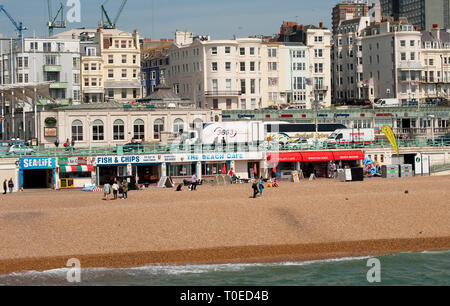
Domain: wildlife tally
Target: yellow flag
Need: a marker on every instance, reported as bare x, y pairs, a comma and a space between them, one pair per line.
390, 135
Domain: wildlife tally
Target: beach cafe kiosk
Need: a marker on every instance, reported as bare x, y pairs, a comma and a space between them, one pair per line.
37, 173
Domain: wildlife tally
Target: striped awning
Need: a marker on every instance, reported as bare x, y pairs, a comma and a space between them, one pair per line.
86, 168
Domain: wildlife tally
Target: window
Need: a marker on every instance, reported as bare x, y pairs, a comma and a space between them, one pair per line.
318, 53
124, 59
252, 66
76, 95
403, 56
215, 103
402, 43
124, 93
227, 50
242, 51
47, 47
93, 66
94, 82
118, 130
243, 104
243, 86
228, 85
214, 50
124, 73
91, 51
272, 66
86, 82
272, 52
134, 73
158, 127
98, 130
178, 126
139, 129
110, 73
318, 68
228, 66
413, 56
242, 66
252, 51
228, 103
215, 85
86, 67
123, 44
111, 93
110, 59
253, 103
214, 66
252, 86
77, 130
51, 60
411, 43
76, 78
134, 59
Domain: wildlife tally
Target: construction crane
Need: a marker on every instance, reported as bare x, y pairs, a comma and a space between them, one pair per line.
54, 22
107, 23
19, 26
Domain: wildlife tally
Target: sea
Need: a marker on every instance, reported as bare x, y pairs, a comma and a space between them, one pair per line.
408, 269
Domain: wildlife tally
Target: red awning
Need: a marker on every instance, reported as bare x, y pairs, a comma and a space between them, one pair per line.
317, 156
285, 157
348, 155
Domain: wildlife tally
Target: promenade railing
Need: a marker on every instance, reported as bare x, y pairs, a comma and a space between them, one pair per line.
216, 149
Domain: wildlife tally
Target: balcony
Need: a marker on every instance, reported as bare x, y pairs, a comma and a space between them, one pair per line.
59, 85
320, 88
216, 93
52, 68
433, 80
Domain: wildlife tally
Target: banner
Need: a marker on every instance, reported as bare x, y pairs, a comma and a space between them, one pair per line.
390, 135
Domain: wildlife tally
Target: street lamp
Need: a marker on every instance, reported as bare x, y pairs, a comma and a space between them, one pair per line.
316, 109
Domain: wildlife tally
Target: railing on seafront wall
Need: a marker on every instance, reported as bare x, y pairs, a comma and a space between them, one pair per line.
440, 168
241, 147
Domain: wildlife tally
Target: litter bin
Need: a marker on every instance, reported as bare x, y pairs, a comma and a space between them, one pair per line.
390, 171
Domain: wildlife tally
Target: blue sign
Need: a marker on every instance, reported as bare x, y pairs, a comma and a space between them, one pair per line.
245, 116
37, 163
341, 115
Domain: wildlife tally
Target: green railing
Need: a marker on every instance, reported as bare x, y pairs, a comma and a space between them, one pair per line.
440, 168
179, 148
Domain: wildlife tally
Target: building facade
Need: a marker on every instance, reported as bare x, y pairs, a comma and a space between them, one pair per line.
33, 61
420, 13
436, 61
391, 57
348, 10
110, 65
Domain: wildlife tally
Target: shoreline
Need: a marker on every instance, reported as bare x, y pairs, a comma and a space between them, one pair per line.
232, 255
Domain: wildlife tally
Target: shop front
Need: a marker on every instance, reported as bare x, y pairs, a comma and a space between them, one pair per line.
137, 169
75, 172
37, 173
317, 163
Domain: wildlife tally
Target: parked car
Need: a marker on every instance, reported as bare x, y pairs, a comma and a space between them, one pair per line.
19, 149
132, 148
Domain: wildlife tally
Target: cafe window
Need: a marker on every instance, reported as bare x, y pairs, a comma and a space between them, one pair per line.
178, 126
182, 170
212, 169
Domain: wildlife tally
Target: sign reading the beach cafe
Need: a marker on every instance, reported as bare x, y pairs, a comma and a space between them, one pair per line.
37, 163
176, 158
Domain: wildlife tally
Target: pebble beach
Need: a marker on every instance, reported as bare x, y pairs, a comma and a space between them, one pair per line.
310, 220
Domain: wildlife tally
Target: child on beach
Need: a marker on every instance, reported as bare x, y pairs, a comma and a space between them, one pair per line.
107, 190
115, 188
255, 189
275, 183
261, 185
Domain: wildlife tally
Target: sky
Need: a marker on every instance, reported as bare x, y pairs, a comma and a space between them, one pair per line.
220, 19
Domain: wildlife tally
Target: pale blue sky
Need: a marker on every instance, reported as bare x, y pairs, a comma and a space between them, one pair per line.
218, 18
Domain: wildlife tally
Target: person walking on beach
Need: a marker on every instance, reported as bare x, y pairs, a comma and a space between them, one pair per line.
115, 188
255, 189
5, 186
194, 182
261, 185
124, 189
11, 185
107, 190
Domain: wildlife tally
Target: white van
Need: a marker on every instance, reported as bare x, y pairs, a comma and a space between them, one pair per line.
352, 136
387, 103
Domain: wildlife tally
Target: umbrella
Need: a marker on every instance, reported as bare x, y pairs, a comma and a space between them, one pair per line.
255, 170
224, 169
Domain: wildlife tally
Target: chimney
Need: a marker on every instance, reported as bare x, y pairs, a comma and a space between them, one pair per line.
436, 31
321, 25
